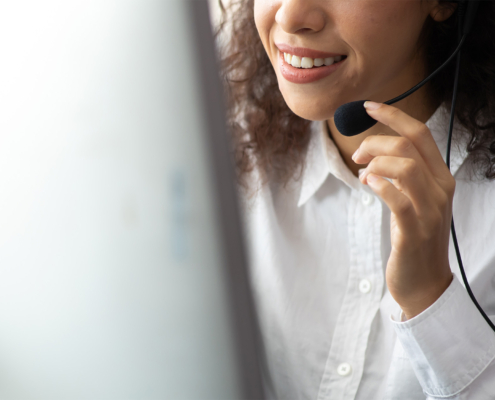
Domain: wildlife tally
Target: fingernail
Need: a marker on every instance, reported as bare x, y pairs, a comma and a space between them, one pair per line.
371, 179
354, 156
361, 176
371, 105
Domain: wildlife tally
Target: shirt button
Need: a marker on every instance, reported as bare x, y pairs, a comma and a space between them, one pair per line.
364, 286
367, 199
344, 369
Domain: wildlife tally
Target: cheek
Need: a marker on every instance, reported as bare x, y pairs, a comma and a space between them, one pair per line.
264, 18
381, 30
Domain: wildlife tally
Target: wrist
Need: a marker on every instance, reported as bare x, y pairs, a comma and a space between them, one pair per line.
412, 308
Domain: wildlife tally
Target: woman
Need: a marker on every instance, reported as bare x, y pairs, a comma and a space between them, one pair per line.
357, 286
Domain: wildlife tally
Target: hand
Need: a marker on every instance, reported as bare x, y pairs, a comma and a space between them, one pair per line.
420, 200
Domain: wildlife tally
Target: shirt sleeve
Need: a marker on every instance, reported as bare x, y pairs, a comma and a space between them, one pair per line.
451, 347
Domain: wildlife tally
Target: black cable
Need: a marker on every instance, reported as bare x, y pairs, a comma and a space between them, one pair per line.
428, 78
464, 278
447, 160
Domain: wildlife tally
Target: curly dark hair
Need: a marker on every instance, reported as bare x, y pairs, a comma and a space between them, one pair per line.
268, 135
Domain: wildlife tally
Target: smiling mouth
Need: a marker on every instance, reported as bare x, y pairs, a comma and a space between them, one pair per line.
303, 70
309, 63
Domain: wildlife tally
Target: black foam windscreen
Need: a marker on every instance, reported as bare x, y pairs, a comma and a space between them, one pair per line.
352, 119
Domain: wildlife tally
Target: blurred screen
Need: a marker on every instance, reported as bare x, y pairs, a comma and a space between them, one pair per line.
111, 285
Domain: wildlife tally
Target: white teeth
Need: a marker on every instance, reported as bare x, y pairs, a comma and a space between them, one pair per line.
296, 62
307, 62
319, 62
329, 61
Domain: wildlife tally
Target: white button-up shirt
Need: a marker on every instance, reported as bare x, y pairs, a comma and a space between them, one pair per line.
318, 251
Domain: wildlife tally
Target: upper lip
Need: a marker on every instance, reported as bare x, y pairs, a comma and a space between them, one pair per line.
304, 52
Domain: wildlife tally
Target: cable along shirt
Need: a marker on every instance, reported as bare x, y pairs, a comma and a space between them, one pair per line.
318, 250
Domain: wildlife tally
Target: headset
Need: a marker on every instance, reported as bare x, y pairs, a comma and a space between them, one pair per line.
352, 119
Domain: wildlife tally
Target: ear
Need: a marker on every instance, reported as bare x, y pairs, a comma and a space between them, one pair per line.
442, 10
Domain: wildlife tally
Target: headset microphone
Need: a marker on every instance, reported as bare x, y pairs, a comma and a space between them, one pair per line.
352, 119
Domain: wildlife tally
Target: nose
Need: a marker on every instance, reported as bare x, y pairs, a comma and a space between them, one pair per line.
300, 16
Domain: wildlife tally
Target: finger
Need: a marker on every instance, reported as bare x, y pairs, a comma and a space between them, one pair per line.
396, 146
398, 203
414, 130
409, 178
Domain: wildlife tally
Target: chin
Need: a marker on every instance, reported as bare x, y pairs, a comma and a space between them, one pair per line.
315, 105
310, 109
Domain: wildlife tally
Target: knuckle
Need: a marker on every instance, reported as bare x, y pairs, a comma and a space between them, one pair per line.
366, 141
393, 111
402, 145
410, 167
404, 208
422, 130
376, 161
443, 200
450, 186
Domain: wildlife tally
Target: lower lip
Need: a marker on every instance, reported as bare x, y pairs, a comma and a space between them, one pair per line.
306, 75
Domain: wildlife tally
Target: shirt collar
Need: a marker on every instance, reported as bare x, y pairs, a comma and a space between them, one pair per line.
323, 158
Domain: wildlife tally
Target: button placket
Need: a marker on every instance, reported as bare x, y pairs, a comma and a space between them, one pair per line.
350, 340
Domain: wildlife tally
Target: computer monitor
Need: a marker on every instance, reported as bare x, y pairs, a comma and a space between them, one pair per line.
122, 270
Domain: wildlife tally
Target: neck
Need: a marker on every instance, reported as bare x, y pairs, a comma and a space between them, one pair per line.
416, 105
